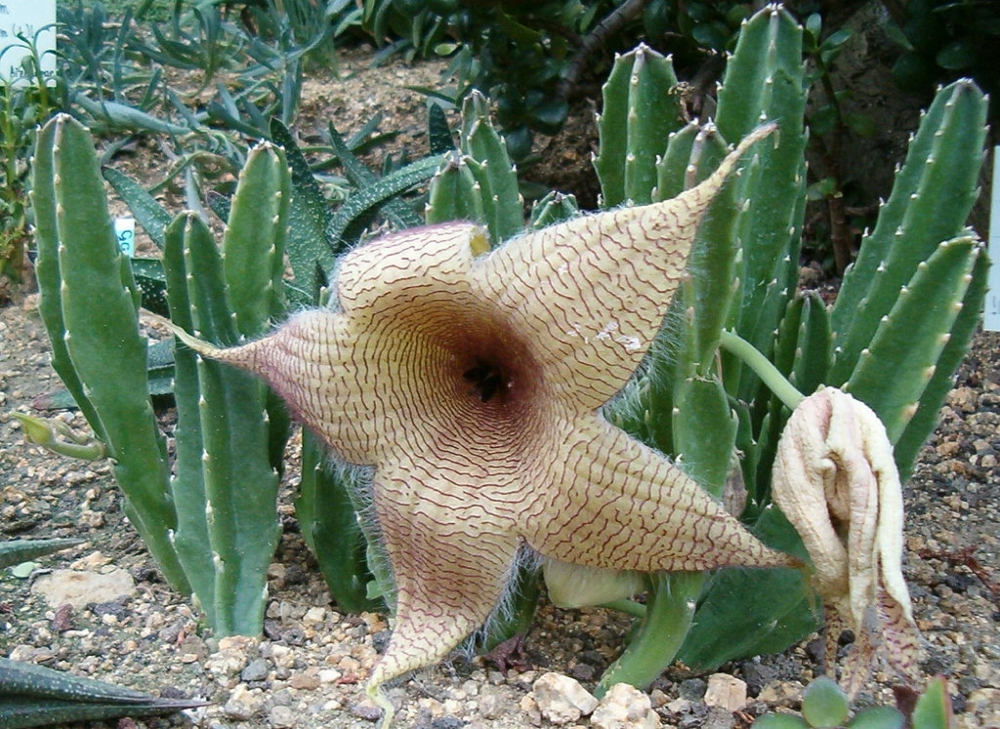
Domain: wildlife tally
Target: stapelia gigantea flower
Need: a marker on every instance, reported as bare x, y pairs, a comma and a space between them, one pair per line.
836, 481
472, 382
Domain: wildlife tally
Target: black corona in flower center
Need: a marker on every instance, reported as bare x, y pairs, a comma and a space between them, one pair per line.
486, 378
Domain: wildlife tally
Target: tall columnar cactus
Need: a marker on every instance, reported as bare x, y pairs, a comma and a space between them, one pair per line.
89, 306
894, 338
212, 523
636, 119
918, 241
478, 182
763, 82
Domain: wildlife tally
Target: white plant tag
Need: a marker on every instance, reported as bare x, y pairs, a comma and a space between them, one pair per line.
125, 233
991, 317
23, 22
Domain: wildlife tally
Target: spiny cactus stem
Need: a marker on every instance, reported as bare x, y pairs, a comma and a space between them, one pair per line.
762, 367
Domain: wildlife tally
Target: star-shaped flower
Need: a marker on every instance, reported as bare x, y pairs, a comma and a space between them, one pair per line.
836, 481
472, 381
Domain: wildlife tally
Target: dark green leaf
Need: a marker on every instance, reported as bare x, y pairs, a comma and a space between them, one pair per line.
861, 124
957, 55
147, 211
439, 138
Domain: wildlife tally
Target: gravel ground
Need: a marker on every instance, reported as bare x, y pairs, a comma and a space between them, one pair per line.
310, 667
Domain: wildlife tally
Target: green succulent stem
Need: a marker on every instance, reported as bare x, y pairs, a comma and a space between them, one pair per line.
58, 438
668, 616
629, 607
762, 367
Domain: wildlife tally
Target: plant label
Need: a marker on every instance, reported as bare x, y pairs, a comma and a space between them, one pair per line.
125, 233
991, 317
26, 29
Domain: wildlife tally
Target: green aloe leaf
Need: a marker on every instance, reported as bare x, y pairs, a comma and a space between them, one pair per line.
15, 551
33, 695
330, 527
399, 213
751, 612
309, 251
147, 211
351, 218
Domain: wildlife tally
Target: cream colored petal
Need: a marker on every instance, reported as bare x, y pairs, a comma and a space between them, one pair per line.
605, 500
591, 294
451, 556
890, 515
804, 480
387, 276
856, 486
439, 372
316, 363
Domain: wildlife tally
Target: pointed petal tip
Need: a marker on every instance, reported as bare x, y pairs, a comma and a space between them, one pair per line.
200, 346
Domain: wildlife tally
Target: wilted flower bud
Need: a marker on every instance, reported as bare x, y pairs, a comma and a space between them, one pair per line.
836, 481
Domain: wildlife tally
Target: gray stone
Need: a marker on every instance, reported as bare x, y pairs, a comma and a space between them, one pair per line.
692, 689
491, 703
719, 718
281, 717
256, 670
